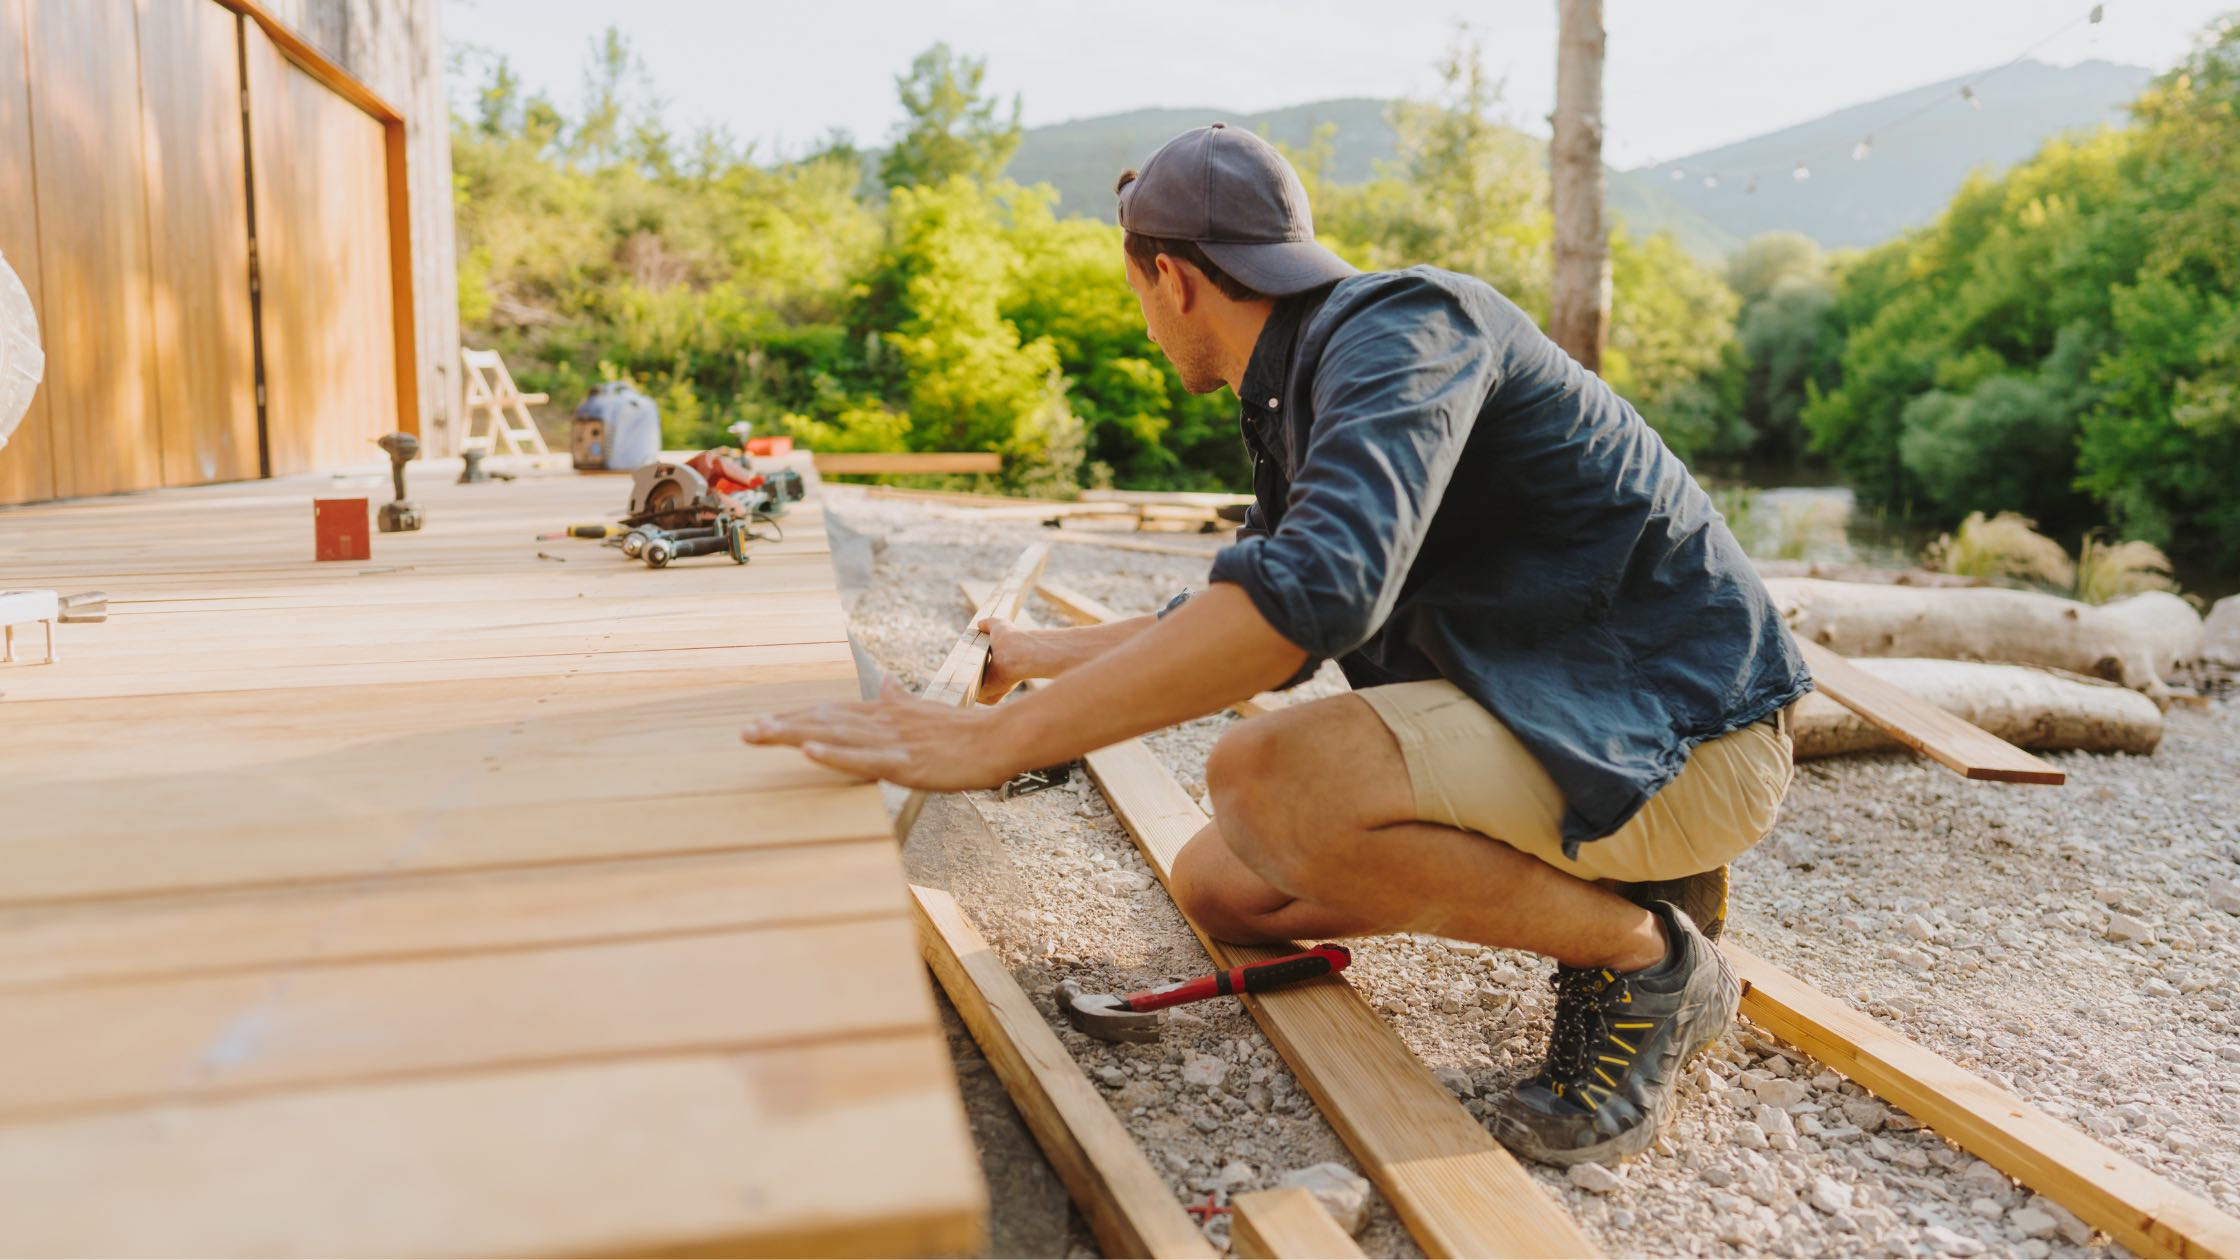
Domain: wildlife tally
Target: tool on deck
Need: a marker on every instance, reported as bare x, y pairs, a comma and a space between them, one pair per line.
1029, 782
729, 538
1135, 1016
585, 531
402, 516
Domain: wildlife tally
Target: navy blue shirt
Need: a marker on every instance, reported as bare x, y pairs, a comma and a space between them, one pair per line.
1442, 492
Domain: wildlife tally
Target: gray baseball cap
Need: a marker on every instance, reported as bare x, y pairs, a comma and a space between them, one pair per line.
1233, 194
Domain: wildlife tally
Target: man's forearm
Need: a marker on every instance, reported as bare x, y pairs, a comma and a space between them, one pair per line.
1060, 652
1211, 652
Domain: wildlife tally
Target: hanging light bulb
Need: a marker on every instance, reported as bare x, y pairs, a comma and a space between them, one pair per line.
1860, 150
1968, 94
1751, 187
1802, 173
1678, 174
1710, 181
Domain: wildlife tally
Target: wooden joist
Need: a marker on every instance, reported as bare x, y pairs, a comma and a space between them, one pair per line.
2142, 1211
1963, 747
1124, 1200
1286, 1224
1457, 1190
1082, 610
958, 679
908, 462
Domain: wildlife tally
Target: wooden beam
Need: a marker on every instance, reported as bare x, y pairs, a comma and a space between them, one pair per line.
1082, 610
1124, 1200
909, 462
2142, 1211
1128, 542
314, 63
1286, 1224
958, 679
1965, 748
1457, 1190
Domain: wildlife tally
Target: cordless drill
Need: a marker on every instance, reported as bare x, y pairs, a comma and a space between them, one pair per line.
403, 515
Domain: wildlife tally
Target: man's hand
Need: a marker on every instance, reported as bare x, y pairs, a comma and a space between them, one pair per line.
899, 738
1014, 656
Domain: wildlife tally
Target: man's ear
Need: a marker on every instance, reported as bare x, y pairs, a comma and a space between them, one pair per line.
1180, 280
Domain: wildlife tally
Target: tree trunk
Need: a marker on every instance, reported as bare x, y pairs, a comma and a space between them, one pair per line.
1579, 316
2136, 641
2026, 707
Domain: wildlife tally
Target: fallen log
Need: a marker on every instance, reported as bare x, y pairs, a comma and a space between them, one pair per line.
2136, 641
2029, 708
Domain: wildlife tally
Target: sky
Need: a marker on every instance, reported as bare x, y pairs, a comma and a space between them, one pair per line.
1681, 75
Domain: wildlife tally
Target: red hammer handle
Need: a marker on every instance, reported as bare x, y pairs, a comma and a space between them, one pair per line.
1259, 977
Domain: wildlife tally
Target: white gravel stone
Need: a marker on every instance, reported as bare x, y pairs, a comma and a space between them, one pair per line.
2224, 894
1829, 1195
2032, 1223
2123, 927
1342, 1192
1595, 1179
1945, 1242
1203, 1069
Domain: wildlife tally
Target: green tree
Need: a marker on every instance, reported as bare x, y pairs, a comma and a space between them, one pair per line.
950, 128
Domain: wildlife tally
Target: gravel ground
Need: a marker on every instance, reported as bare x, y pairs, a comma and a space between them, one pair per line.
2071, 943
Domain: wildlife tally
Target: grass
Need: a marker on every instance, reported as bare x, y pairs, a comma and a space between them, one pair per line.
2107, 571
2005, 546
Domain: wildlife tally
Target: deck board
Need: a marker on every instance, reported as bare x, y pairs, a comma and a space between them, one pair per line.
446, 872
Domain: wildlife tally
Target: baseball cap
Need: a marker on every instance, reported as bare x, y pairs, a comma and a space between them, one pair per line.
1235, 196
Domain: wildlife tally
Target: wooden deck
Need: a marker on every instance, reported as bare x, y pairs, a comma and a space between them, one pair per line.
429, 904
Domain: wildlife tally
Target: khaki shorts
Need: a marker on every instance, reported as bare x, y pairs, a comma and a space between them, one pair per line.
1469, 771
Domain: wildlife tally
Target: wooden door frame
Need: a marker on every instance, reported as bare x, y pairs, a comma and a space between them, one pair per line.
340, 82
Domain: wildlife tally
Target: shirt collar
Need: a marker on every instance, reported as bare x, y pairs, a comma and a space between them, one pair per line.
1267, 374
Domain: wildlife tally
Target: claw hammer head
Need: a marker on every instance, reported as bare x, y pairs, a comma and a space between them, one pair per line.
1104, 1016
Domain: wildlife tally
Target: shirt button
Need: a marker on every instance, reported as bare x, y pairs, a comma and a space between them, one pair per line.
1273, 404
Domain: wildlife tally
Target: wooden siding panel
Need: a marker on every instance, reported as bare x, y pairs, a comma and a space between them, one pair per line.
27, 462
198, 236
93, 246
320, 170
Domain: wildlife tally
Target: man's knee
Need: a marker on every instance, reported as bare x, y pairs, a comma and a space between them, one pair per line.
1244, 774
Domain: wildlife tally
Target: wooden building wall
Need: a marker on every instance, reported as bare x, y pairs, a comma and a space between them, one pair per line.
163, 153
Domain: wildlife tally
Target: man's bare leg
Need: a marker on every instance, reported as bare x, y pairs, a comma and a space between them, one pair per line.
1316, 836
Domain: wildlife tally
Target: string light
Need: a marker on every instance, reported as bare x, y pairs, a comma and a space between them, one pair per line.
1864, 149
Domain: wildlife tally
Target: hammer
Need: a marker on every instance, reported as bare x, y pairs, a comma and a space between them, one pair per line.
1135, 1016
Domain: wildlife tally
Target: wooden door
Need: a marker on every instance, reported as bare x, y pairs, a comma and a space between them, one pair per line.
319, 178
198, 237
27, 462
91, 202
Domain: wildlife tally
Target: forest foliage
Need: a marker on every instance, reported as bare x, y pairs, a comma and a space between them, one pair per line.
2063, 342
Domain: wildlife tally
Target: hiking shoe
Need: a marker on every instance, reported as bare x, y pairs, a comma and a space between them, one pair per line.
1702, 895
1615, 1055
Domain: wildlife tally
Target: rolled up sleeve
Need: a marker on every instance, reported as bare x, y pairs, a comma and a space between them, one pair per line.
1400, 382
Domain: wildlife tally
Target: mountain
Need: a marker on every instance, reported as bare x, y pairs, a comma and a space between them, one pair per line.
1913, 168
1083, 158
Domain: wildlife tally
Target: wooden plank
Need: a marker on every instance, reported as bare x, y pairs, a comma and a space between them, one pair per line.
1457, 1190
1961, 746
165, 1041
2142, 1211
395, 918
27, 463
1128, 542
908, 463
1084, 611
314, 63
1124, 1200
198, 241
326, 316
1286, 1224
707, 1154
93, 247
958, 679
